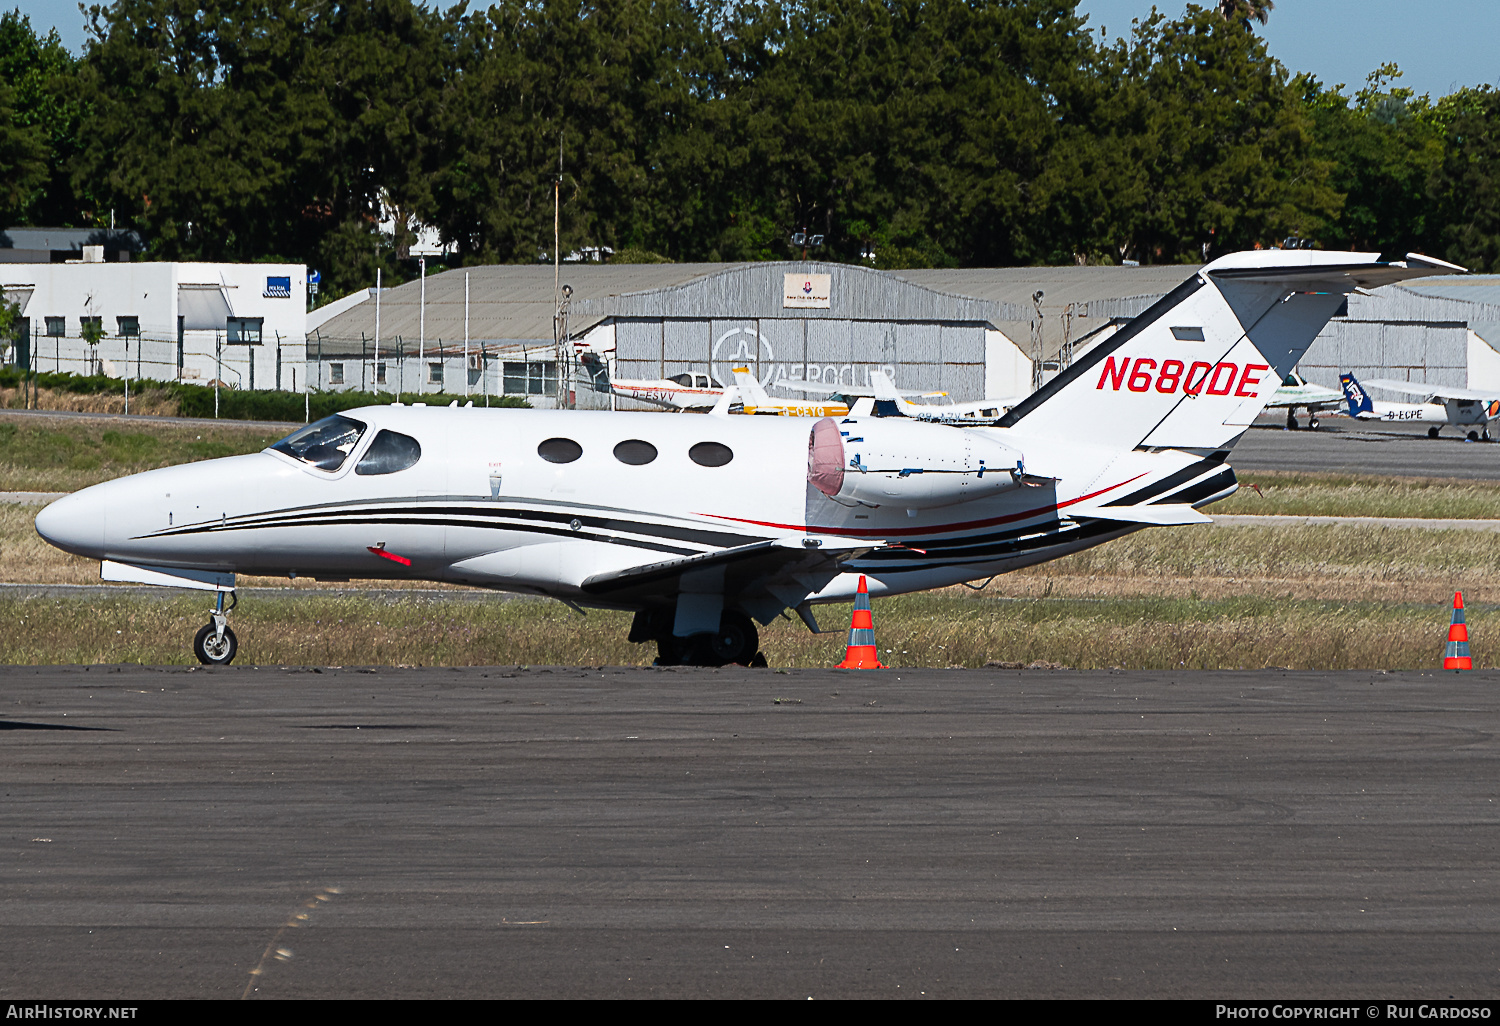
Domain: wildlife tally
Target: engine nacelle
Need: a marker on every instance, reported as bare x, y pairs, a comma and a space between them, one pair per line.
890, 461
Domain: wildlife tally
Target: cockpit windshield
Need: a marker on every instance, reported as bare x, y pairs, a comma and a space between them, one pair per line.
325, 444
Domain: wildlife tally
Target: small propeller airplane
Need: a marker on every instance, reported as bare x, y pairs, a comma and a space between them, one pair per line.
1442, 405
883, 399
690, 390
706, 526
1295, 391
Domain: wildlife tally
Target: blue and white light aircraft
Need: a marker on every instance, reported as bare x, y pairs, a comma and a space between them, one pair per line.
1442, 405
707, 526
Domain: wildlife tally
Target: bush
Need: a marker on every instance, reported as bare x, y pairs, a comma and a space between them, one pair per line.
237, 404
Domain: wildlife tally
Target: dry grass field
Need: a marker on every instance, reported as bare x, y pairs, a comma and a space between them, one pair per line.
915, 630
1210, 597
63, 455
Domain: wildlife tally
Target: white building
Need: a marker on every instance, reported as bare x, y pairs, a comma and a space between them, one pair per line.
243, 324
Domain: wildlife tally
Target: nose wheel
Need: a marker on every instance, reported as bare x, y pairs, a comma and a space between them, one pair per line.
215, 644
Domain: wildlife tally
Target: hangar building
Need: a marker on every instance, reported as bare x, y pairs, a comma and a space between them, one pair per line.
971, 333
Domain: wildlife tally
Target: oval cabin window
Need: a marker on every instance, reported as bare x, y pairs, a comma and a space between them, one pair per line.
635, 452
559, 450
389, 453
710, 454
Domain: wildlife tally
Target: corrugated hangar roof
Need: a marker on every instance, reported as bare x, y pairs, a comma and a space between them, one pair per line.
507, 302
514, 302
1060, 286
1478, 288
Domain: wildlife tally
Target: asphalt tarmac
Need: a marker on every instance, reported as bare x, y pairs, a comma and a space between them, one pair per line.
1346, 446
556, 832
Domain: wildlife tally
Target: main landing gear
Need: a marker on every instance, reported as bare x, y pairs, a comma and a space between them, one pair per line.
1291, 420
215, 644
736, 641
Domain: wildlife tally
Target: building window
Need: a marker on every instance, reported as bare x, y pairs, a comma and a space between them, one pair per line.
129, 327
57, 327
380, 373
92, 328
335, 374
244, 331
530, 378
434, 373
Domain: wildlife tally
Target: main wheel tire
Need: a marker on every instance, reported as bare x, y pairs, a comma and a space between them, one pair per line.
1312, 423
211, 650
1291, 422
736, 641
1432, 432
1472, 436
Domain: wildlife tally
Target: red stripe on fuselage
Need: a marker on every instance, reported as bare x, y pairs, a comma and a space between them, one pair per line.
966, 526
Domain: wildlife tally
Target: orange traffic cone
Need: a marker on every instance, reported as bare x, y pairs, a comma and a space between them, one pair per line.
1457, 656
861, 654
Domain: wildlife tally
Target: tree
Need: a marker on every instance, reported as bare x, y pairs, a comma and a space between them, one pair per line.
201, 130
1205, 146
45, 106
1467, 184
1246, 11
1382, 145
23, 159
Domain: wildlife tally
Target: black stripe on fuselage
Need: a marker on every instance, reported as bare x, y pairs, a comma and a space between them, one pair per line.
1171, 481
480, 514
1203, 489
904, 561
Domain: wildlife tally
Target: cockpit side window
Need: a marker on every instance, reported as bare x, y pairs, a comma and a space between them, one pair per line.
389, 453
325, 444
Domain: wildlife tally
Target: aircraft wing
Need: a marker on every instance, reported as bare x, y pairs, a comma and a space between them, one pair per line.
1319, 399
745, 567
852, 390
1439, 392
1365, 275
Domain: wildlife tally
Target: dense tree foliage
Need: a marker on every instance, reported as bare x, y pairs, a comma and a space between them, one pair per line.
904, 132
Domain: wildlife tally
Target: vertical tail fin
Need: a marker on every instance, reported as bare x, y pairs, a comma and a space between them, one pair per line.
750, 389
1358, 398
1194, 370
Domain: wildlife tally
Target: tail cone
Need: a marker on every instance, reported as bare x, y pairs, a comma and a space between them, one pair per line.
1457, 655
861, 654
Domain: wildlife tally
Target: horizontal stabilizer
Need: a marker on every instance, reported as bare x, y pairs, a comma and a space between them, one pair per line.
1167, 514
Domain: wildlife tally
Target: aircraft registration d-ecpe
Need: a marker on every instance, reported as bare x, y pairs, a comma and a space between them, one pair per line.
705, 525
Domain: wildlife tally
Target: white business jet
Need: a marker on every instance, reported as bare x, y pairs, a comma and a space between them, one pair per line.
1442, 405
706, 526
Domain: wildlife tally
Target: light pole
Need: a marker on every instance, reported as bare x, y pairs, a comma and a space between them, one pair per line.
422, 327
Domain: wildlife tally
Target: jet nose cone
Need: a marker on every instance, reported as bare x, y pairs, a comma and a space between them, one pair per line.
74, 523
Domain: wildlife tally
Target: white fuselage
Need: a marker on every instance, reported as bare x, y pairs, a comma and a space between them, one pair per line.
1454, 411
482, 507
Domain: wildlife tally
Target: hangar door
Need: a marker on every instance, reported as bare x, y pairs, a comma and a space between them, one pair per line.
926, 356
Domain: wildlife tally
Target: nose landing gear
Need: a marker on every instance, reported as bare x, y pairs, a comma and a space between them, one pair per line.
215, 644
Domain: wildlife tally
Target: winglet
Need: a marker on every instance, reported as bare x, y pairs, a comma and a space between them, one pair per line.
1440, 266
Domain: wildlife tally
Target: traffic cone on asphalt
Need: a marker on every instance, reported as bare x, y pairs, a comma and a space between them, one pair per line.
1457, 656
861, 654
